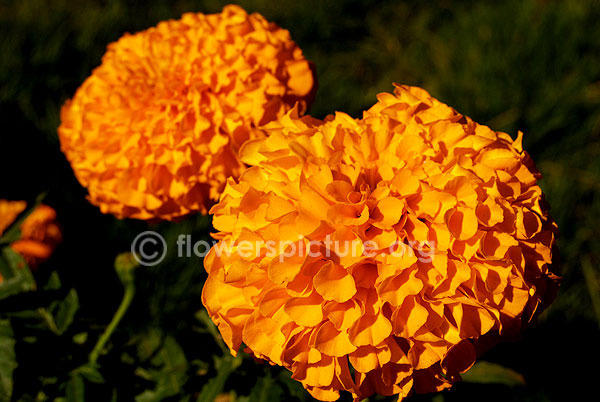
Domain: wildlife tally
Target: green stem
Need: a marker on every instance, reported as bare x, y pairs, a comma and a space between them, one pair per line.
202, 315
127, 298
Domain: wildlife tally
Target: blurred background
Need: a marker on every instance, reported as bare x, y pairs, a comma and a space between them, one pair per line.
529, 65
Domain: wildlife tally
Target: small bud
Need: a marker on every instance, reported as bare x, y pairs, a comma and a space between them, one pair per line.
125, 265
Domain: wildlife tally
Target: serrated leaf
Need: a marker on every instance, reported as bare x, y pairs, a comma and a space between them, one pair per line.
491, 373
8, 361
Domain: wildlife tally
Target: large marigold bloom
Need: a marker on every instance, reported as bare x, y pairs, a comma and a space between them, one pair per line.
154, 131
40, 232
450, 239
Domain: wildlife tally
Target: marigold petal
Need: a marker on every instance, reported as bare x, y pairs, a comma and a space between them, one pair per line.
462, 223
370, 330
391, 209
364, 359
332, 342
459, 358
334, 283
395, 289
342, 315
305, 311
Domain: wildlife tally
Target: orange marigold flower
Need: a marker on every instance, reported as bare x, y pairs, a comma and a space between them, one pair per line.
40, 232
154, 131
385, 247
9, 211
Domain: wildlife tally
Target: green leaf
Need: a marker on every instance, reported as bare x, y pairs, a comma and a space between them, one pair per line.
41, 397
266, 389
8, 361
53, 282
48, 319
75, 389
491, 373
172, 369
174, 366
149, 396
66, 310
149, 344
60, 314
90, 373
80, 338
225, 366
17, 276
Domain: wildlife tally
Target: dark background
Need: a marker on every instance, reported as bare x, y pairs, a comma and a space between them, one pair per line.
529, 65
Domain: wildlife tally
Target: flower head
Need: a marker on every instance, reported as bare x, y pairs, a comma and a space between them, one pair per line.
40, 232
154, 131
385, 247
9, 211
